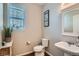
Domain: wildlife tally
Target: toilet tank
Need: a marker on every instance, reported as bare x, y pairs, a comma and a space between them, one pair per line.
45, 42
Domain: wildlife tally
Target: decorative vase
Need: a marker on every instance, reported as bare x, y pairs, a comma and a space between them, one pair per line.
0, 39
8, 39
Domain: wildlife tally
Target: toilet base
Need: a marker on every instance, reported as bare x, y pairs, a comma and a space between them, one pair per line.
39, 54
42, 53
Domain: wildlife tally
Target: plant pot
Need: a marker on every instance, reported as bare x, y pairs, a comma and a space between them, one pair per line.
8, 39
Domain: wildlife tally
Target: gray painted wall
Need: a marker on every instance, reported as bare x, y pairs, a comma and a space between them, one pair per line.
54, 31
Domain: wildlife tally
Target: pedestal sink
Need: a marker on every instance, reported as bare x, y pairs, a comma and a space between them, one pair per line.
67, 48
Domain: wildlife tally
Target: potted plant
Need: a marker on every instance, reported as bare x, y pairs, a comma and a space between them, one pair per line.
7, 32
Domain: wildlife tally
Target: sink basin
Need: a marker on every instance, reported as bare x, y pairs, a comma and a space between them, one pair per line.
70, 49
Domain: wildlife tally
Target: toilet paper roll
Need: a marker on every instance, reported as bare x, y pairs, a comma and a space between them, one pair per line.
28, 42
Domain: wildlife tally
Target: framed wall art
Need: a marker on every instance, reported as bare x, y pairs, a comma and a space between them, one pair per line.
46, 18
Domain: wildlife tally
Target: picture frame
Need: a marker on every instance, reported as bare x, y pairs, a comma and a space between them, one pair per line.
46, 18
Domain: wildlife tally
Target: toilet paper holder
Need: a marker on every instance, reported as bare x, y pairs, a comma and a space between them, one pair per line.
28, 42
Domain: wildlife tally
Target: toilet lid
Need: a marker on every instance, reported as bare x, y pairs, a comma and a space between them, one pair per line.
38, 48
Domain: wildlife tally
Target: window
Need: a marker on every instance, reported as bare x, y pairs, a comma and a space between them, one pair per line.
16, 17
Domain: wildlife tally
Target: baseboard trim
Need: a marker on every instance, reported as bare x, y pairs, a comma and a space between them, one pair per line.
49, 53
26, 53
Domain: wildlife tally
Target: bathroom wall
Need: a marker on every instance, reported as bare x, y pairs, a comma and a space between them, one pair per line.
54, 31
32, 31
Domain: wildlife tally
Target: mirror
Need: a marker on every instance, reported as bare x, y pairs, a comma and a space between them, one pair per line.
71, 21
68, 22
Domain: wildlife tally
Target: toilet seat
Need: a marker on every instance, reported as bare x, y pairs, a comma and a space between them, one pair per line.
38, 48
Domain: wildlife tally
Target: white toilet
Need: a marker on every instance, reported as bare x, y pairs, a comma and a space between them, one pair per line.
40, 49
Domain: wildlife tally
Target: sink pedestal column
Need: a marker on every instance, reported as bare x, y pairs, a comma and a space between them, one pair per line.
66, 54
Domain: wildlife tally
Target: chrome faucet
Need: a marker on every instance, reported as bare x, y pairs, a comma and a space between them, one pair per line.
77, 41
78, 37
